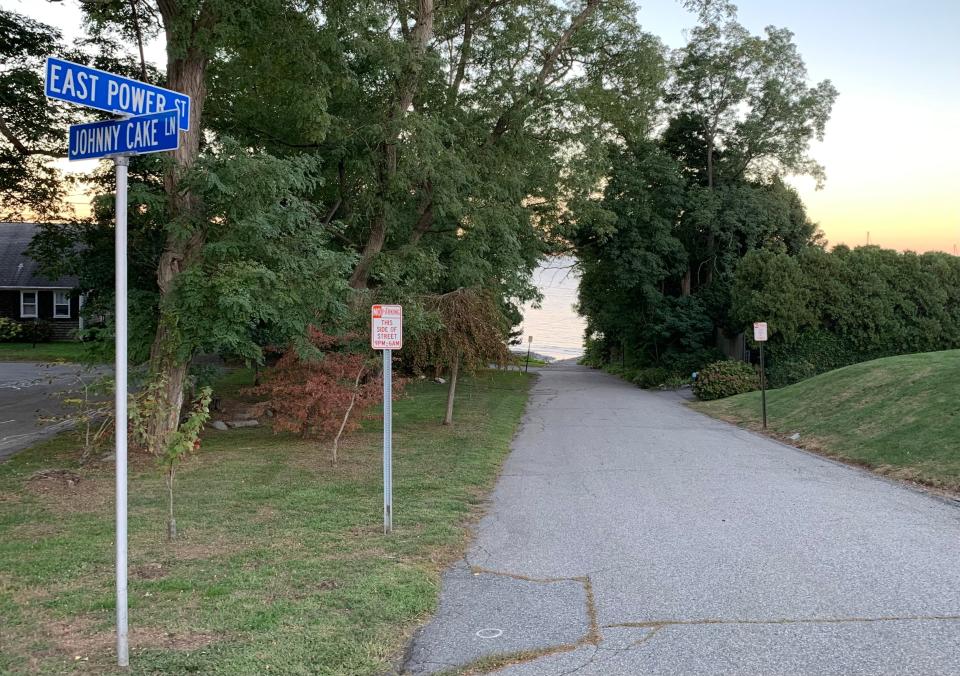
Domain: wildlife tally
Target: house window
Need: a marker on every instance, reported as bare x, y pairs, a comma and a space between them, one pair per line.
61, 305
28, 304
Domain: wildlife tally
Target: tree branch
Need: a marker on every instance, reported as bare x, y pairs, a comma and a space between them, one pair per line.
419, 38
506, 118
139, 34
425, 218
464, 57
18, 145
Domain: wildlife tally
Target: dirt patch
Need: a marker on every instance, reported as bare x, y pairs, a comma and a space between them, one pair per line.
184, 550
10, 498
51, 478
63, 491
148, 571
300, 592
76, 639
35, 530
265, 514
148, 637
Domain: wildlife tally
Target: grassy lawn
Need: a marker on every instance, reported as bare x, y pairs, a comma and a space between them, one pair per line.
43, 352
521, 361
899, 415
281, 565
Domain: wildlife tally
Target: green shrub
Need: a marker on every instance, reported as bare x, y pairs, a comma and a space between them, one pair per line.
725, 379
10, 330
810, 353
593, 353
615, 369
675, 382
37, 331
650, 378
829, 309
686, 363
785, 372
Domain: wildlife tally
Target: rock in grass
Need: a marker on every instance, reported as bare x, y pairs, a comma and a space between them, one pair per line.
219, 425
243, 423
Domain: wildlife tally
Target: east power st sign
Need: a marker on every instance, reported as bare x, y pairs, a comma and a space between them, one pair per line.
386, 327
76, 83
133, 136
153, 118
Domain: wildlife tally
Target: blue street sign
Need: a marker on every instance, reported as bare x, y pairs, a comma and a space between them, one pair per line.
132, 136
99, 89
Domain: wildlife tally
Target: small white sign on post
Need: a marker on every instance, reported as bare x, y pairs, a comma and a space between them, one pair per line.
386, 333
760, 335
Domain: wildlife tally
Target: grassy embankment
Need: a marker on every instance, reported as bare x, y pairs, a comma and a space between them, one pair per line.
281, 566
43, 352
899, 416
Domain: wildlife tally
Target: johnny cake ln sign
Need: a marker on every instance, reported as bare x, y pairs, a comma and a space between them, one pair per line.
134, 136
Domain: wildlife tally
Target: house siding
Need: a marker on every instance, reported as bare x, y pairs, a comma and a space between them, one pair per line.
61, 329
9, 304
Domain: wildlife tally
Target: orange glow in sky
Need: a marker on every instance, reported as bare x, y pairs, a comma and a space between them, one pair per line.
892, 146
901, 188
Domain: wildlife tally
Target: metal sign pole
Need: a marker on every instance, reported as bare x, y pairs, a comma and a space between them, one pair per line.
149, 125
387, 441
763, 387
120, 396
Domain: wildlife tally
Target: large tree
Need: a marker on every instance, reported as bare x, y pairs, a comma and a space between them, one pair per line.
239, 253
683, 206
436, 145
748, 101
450, 127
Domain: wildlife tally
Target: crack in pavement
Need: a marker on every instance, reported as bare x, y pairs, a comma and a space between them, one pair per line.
485, 663
659, 624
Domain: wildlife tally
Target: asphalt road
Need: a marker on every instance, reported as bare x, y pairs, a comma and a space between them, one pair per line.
27, 396
629, 534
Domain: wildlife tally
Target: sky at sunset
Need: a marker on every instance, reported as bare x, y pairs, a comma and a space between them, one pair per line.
892, 144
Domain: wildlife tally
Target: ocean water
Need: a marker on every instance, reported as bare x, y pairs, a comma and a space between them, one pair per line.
556, 328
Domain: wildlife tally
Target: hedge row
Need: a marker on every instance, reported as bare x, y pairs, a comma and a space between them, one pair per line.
831, 309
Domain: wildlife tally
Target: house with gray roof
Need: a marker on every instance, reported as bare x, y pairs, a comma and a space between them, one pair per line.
28, 296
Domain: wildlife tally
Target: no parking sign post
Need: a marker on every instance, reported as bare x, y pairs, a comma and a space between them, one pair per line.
760, 335
386, 333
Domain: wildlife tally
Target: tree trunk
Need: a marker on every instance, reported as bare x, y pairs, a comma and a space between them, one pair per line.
685, 282
452, 390
375, 242
418, 39
186, 73
711, 240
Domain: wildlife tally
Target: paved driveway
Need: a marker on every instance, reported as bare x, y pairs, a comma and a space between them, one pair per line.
27, 394
631, 535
